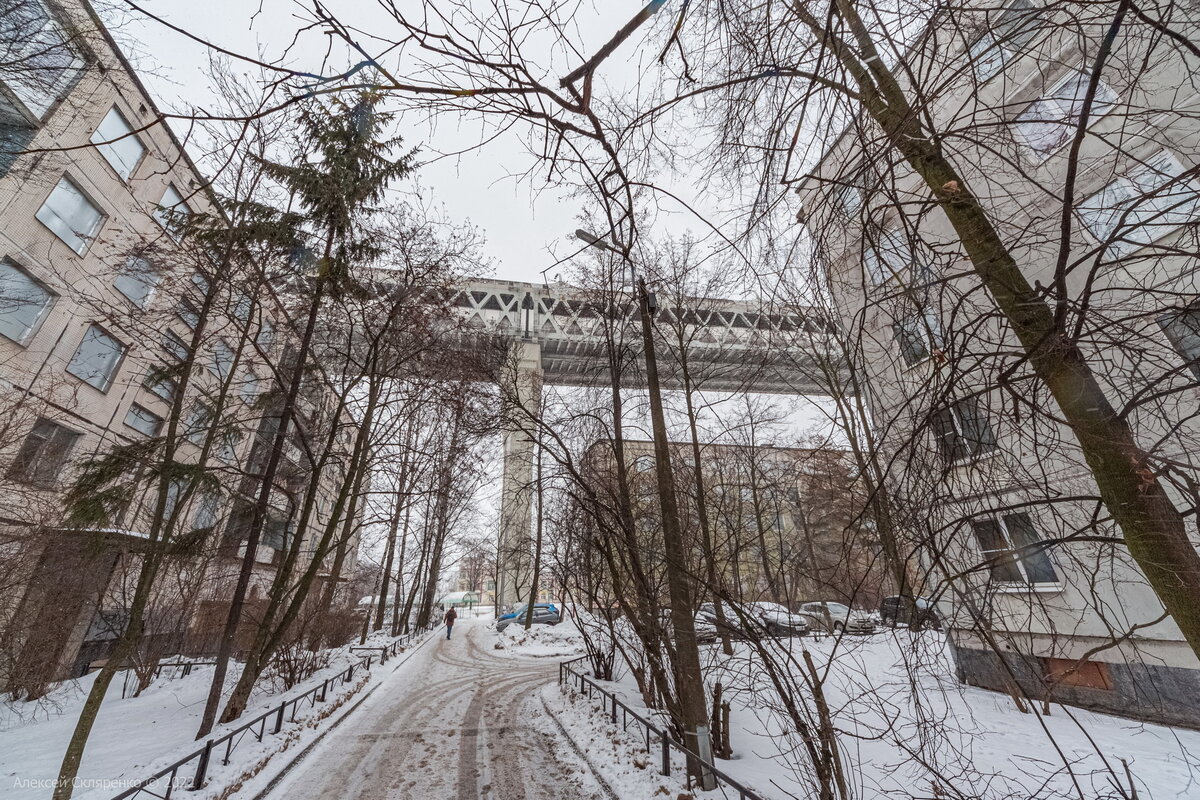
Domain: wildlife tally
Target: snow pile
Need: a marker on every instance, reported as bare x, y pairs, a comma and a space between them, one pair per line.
541, 641
617, 753
135, 737
907, 727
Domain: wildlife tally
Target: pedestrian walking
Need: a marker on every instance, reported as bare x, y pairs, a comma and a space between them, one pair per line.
449, 619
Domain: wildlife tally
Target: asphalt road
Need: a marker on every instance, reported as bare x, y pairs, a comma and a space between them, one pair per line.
454, 723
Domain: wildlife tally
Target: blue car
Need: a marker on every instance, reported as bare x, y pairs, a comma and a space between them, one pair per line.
520, 608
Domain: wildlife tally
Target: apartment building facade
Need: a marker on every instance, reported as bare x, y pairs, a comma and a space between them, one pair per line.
786, 524
1041, 593
100, 296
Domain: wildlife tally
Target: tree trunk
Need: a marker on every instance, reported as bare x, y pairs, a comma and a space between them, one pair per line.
261, 507
537, 546
1153, 528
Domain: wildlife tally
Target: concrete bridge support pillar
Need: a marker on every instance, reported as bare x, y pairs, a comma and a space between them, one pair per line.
521, 395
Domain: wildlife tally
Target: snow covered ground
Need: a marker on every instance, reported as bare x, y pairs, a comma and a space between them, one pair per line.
972, 743
137, 736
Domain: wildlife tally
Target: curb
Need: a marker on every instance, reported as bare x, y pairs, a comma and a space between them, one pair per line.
296, 759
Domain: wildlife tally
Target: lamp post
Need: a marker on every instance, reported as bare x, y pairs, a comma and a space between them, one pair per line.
689, 681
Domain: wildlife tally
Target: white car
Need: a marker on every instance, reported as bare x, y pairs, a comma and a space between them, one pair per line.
755, 619
837, 618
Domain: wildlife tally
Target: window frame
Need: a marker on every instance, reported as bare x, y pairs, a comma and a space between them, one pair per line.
85, 239
51, 297
1068, 121
214, 365
1005, 45
26, 472
927, 326
133, 410
1015, 560
170, 339
1119, 213
106, 145
164, 212
47, 98
952, 411
150, 382
153, 287
1187, 317
111, 376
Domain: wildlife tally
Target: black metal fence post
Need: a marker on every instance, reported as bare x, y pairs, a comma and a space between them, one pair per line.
279, 718
666, 753
202, 767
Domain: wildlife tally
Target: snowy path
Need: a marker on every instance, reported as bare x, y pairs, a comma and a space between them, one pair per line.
455, 723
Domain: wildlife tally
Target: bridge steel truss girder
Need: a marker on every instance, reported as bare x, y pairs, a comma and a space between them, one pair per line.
556, 337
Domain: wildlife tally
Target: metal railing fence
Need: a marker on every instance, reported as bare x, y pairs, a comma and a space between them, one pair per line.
257, 727
612, 705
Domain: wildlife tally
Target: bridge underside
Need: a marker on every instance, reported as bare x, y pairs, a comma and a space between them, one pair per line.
536, 334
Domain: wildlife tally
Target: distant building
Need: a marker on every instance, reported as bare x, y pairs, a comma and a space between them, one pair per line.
786, 524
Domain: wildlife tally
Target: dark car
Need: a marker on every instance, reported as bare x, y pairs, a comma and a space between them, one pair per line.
543, 614
896, 610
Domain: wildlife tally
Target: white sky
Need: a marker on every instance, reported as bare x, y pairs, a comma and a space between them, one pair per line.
528, 224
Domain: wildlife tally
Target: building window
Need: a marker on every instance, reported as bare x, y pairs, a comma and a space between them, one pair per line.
97, 359
275, 533
918, 336
1015, 552
23, 302
71, 216
158, 384
962, 432
175, 346
35, 41
198, 423
1183, 329
889, 254
1049, 122
242, 307
229, 444
117, 143
1004, 41
137, 281
171, 211
188, 313
266, 334
143, 420
1145, 204
207, 506
222, 359
43, 454
250, 387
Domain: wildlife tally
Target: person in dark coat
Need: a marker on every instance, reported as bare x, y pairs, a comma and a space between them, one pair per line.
451, 615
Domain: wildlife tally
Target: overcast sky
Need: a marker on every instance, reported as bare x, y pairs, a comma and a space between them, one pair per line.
496, 186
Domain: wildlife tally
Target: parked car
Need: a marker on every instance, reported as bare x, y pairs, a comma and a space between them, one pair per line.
837, 618
756, 619
520, 607
543, 614
896, 610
